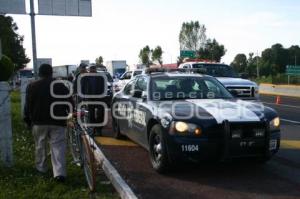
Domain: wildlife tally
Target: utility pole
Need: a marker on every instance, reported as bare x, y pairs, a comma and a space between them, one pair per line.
34, 56
0, 49
257, 69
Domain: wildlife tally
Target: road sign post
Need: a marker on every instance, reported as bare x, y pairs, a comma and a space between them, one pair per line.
187, 54
292, 70
12, 7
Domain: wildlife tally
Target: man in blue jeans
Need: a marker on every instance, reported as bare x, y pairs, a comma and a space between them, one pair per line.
42, 112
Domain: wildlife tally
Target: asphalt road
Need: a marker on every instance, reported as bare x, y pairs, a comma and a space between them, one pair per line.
279, 178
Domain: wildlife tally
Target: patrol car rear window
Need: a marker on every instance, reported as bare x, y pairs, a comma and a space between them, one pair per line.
173, 88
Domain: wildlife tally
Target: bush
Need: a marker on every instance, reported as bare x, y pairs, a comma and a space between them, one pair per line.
6, 68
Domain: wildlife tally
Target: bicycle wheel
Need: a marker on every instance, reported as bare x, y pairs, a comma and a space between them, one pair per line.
73, 144
89, 163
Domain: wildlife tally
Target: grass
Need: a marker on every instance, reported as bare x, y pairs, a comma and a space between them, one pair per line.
22, 180
279, 79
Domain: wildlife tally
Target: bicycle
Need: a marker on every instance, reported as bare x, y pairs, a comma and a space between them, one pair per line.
81, 148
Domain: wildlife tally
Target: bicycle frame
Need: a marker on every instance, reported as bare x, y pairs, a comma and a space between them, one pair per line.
80, 147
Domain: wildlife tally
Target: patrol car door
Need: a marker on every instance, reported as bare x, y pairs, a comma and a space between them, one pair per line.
139, 122
125, 107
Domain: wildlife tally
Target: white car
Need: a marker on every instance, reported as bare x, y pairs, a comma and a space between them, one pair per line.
125, 78
244, 88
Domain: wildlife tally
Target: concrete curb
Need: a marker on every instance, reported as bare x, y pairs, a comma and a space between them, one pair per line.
284, 90
281, 94
120, 185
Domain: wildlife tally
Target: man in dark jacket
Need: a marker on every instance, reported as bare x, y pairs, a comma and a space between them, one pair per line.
42, 112
96, 86
81, 70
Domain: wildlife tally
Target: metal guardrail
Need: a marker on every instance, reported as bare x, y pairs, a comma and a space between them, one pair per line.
120, 185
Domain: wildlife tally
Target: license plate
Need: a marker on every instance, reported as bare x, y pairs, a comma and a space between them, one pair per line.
189, 148
273, 145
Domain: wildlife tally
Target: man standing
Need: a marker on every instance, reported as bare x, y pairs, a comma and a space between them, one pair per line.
41, 112
80, 81
96, 86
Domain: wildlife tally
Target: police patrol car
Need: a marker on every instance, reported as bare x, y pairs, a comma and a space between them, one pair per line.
187, 116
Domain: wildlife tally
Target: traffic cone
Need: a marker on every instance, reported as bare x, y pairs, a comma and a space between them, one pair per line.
278, 99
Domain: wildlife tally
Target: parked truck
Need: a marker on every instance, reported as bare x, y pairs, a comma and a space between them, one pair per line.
64, 71
116, 67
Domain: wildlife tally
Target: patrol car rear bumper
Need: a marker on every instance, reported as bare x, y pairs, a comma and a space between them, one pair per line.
223, 148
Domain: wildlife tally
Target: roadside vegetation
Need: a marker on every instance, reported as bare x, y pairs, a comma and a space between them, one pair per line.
271, 64
278, 79
22, 180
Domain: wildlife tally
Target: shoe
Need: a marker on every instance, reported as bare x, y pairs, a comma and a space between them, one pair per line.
60, 178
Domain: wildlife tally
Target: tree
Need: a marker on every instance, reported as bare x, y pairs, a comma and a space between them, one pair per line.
99, 60
12, 42
266, 62
179, 60
192, 36
240, 63
279, 58
157, 55
294, 55
252, 62
145, 54
6, 68
212, 51
273, 61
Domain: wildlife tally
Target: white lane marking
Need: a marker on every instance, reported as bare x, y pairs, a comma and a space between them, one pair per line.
291, 121
285, 105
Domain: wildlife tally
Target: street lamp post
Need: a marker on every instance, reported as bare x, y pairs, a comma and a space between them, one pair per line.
0, 49
34, 56
257, 68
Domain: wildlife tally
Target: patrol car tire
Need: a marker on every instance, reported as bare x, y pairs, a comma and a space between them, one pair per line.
158, 157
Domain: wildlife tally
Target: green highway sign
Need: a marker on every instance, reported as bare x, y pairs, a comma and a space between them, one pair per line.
188, 53
292, 70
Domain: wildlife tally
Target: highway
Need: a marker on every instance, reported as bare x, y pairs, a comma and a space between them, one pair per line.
279, 178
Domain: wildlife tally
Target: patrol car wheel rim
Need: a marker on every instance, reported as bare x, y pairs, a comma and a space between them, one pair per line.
157, 148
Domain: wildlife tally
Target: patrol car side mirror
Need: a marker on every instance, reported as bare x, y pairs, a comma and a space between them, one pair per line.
144, 95
137, 93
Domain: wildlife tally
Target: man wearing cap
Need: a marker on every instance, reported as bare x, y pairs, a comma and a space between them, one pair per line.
40, 112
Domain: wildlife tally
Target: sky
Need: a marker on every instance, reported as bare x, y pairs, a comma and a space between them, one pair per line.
118, 29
